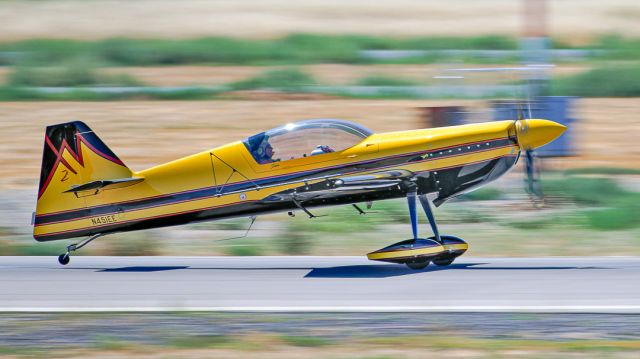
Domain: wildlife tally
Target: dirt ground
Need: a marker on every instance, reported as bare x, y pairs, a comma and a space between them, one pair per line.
146, 133
573, 20
326, 74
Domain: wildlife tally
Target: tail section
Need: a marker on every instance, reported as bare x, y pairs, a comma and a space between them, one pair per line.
74, 159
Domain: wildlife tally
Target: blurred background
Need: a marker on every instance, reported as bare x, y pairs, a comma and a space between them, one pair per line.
158, 80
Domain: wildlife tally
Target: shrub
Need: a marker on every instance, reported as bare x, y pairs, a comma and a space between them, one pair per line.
622, 213
292, 49
602, 171
384, 81
589, 191
610, 81
483, 194
243, 250
306, 341
290, 79
69, 76
295, 240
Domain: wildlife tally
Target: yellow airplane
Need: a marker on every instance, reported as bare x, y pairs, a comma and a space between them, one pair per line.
86, 190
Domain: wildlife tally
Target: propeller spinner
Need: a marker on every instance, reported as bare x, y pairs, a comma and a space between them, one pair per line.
531, 134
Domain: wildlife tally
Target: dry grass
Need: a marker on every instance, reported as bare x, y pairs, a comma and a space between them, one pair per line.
573, 20
326, 74
270, 347
145, 133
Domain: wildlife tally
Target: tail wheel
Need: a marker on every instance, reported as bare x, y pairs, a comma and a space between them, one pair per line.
64, 259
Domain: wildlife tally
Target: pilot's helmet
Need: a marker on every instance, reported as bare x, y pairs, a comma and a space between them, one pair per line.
320, 149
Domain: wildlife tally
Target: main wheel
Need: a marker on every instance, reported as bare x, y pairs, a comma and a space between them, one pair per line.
64, 259
443, 262
418, 264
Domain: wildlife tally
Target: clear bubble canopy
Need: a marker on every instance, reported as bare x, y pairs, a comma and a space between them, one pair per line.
305, 138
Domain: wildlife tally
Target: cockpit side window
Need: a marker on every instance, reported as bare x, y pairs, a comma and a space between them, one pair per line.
303, 139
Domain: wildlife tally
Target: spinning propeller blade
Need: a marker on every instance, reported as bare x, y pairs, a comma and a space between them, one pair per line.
531, 133
531, 172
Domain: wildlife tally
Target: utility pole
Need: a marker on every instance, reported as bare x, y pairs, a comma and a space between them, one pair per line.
535, 44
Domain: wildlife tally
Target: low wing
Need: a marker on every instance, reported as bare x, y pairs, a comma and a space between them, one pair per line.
339, 186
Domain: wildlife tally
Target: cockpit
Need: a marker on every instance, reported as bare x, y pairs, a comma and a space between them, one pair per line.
304, 139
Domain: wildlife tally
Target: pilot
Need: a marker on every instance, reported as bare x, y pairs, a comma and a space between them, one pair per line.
265, 153
320, 149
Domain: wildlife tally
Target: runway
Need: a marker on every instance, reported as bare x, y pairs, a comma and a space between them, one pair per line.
334, 284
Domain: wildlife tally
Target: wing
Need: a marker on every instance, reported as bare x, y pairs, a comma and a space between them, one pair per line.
340, 186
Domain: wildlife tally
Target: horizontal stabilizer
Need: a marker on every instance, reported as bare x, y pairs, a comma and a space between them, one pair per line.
104, 184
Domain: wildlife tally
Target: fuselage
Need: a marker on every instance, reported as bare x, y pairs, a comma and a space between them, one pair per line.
227, 181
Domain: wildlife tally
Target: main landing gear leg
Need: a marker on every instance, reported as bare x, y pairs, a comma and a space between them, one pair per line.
415, 253
424, 201
418, 253
416, 263
413, 214
65, 257
453, 246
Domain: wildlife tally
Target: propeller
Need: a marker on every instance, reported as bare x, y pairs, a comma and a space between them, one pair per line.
532, 177
528, 131
531, 171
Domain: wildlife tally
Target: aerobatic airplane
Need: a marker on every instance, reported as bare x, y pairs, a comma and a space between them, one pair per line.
87, 191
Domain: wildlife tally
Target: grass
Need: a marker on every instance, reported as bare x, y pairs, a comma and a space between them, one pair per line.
141, 243
301, 235
12, 93
615, 207
268, 345
379, 80
533, 224
108, 343
255, 342
72, 63
609, 81
29, 247
293, 49
483, 194
286, 80
233, 224
243, 250
584, 190
620, 214
10, 351
497, 345
79, 74
297, 239
383, 94
288, 50
119, 244
305, 341
616, 47
602, 171
202, 341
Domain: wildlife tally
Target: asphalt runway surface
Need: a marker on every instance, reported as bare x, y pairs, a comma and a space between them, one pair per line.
320, 284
